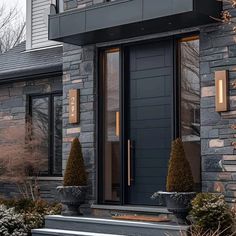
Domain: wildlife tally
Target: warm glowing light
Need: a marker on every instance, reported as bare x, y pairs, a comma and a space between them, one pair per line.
221, 99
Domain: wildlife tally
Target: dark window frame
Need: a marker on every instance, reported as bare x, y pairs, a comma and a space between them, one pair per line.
51, 133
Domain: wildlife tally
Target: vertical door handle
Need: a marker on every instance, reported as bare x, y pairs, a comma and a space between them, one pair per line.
117, 123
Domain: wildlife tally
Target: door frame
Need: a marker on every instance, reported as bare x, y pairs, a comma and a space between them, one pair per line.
124, 89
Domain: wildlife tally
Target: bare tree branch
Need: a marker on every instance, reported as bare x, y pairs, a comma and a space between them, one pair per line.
12, 27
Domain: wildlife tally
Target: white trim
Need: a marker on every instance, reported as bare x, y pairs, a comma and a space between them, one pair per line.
28, 24
42, 48
48, 178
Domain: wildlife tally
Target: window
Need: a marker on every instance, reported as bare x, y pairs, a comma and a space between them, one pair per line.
46, 124
111, 125
190, 103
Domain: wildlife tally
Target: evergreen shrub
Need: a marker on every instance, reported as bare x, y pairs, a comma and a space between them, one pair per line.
179, 178
75, 173
211, 213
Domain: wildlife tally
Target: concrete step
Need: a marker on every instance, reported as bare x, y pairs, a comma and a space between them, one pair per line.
110, 226
53, 232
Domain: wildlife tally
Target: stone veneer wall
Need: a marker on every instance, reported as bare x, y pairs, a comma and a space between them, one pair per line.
71, 4
218, 134
78, 69
13, 112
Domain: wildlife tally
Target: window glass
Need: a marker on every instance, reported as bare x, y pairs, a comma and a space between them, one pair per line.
46, 118
111, 119
57, 141
40, 129
190, 103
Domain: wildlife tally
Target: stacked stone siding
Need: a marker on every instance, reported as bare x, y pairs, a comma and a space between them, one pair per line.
72, 4
13, 110
78, 69
218, 134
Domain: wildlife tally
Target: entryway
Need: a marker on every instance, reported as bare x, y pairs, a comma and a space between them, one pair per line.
141, 101
150, 119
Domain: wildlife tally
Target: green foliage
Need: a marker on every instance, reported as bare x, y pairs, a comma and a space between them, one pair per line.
12, 223
75, 174
179, 177
30, 212
211, 213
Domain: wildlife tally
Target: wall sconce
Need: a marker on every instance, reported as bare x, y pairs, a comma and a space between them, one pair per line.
221, 86
74, 106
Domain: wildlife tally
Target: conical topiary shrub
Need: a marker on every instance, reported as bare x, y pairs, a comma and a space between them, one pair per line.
75, 174
180, 178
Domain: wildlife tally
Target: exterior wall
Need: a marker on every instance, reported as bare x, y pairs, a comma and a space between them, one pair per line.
78, 68
71, 4
37, 24
218, 52
13, 112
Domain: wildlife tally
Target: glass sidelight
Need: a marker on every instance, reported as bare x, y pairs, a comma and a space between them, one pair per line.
111, 126
190, 104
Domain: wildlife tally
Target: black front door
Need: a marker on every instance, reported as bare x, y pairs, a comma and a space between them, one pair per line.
150, 119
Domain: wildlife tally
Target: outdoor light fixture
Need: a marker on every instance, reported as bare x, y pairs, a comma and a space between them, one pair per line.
221, 86
74, 104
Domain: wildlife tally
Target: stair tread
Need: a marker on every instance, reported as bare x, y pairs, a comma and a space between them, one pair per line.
71, 232
121, 223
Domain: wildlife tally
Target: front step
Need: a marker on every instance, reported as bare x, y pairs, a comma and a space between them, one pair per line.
52, 232
109, 226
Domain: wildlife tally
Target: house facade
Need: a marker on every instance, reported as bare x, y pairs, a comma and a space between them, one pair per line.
146, 74
143, 73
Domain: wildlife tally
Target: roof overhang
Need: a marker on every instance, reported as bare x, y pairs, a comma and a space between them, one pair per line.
124, 19
39, 72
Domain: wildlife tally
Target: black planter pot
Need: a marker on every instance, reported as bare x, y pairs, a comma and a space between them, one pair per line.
179, 204
72, 197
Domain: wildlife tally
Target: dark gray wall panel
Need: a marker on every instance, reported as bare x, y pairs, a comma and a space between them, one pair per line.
72, 24
182, 5
160, 8
130, 18
113, 15
55, 30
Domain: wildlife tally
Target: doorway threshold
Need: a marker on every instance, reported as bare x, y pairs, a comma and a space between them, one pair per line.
132, 208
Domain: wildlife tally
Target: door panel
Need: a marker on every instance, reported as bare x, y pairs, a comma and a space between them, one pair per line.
150, 118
